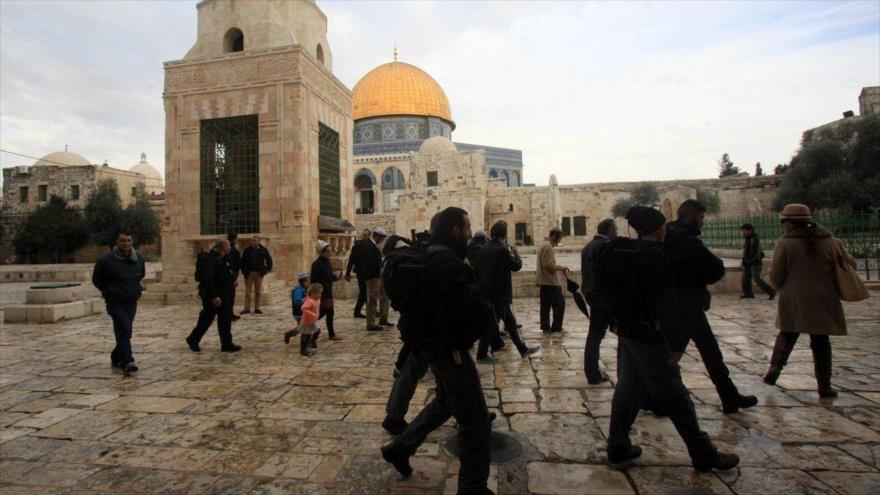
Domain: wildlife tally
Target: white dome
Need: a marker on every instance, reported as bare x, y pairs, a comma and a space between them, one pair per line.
62, 159
144, 168
437, 144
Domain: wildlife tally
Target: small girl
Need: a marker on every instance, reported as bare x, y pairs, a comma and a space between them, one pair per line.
297, 298
308, 328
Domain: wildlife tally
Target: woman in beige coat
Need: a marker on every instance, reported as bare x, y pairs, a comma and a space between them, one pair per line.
803, 273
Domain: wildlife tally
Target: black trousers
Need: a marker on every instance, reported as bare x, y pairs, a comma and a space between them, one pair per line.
645, 371
500, 309
700, 331
459, 395
552, 298
600, 319
122, 314
753, 272
328, 313
412, 371
362, 296
207, 315
509, 319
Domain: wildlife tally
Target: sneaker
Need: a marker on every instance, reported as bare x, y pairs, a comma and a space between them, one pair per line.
400, 462
258, 311
230, 348
530, 350
719, 461
394, 426
245, 311
336, 338
487, 360
193, 345
616, 457
595, 380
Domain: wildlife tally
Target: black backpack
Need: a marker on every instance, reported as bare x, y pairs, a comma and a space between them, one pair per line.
202, 260
617, 280
404, 277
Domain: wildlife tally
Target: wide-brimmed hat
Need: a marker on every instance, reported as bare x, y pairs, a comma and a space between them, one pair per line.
796, 211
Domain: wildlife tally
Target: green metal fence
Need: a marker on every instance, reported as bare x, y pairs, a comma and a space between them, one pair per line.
860, 233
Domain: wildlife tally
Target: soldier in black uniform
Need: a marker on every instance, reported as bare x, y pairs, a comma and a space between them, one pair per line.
650, 347
695, 267
216, 289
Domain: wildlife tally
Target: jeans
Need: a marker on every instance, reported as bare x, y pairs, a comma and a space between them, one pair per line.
600, 319
328, 312
122, 314
753, 272
377, 302
460, 395
412, 371
551, 297
253, 282
206, 318
644, 370
362, 296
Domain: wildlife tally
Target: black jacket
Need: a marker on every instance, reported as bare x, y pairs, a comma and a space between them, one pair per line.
494, 264
234, 260
256, 259
655, 300
473, 250
322, 273
119, 278
369, 261
217, 278
693, 264
588, 277
456, 313
353, 258
752, 253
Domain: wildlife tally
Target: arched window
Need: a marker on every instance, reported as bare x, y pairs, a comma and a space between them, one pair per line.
364, 179
233, 41
319, 53
493, 174
392, 179
514, 179
505, 176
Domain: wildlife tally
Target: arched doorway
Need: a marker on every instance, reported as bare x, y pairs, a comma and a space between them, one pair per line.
364, 182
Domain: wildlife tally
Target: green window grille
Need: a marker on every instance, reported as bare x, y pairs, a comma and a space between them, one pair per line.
230, 185
566, 226
433, 180
580, 225
328, 172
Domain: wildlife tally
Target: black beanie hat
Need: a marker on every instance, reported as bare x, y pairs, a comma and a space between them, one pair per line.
644, 219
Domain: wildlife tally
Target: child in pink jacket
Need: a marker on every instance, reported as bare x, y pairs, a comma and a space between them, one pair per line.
308, 325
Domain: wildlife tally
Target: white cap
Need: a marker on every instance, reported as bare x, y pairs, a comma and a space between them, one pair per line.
380, 231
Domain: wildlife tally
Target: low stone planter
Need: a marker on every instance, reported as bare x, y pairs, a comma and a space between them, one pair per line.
51, 304
56, 293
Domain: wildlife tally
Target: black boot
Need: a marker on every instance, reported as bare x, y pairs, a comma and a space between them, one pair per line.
822, 366
719, 461
781, 350
398, 460
736, 401
304, 344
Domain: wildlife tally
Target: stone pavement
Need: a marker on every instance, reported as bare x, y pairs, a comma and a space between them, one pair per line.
268, 421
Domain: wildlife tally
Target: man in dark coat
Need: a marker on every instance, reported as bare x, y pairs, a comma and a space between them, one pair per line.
600, 318
453, 321
491, 335
234, 260
216, 289
118, 276
752, 262
352, 265
370, 266
650, 349
695, 267
256, 262
494, 264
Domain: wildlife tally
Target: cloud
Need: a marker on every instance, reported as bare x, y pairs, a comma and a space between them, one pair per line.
589, 91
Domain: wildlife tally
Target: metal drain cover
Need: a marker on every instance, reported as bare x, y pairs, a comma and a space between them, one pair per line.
503, 447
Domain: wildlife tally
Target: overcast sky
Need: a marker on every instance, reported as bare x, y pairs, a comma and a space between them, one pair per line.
589, 91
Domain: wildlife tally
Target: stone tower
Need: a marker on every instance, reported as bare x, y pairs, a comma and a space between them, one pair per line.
257, 136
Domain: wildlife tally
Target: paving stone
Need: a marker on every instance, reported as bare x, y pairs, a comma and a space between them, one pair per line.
573, 479
676, 481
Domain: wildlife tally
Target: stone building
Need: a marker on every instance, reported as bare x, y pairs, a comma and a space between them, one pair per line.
258, 136
869, 106
153, 182
67, 175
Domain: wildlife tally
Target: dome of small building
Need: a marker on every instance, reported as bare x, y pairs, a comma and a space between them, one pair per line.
398, 88
62, 159
144, 168
437, 144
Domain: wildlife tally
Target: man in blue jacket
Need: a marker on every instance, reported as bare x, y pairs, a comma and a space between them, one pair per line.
118, 276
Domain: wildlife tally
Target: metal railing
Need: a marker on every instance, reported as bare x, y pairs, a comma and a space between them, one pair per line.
860, 233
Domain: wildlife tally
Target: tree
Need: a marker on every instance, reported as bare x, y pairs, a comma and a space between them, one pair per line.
103, 212
780, 169
54, 229
838, 170
140, 220
759, 172
644, 194
726, 167
710, 200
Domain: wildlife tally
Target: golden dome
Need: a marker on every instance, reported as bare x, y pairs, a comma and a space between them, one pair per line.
397, 88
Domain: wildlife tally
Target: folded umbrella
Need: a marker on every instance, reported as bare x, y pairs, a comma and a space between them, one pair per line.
579, 301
